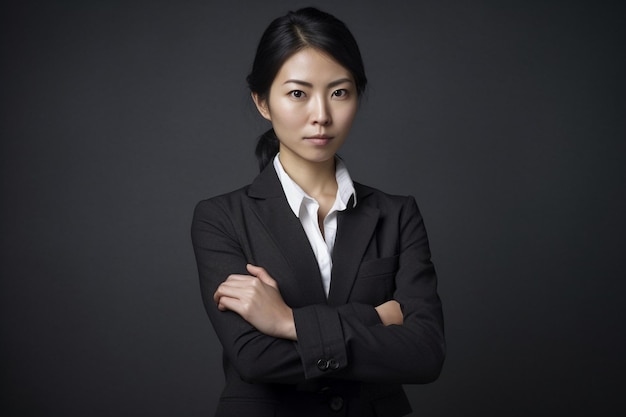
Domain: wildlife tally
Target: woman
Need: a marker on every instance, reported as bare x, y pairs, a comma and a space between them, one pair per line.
320, 289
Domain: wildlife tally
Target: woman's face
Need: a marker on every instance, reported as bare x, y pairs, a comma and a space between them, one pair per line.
312, 103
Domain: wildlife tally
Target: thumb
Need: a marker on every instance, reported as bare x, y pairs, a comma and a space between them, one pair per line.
261, 274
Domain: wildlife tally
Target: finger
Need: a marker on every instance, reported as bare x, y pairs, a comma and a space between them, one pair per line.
235, 290
238, 277
255, 270
229, 290
262, 274
240, 281
227, 303
216, 296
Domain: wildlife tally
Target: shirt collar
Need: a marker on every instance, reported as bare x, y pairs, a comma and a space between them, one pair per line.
296, 195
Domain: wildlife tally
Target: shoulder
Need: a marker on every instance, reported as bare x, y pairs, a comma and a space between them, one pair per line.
394, 208
219, 216
222, 203
374, 197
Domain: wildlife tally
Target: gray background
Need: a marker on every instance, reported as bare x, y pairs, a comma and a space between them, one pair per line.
504, 118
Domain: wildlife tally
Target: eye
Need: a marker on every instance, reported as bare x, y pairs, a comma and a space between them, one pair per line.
298, 94
341, 93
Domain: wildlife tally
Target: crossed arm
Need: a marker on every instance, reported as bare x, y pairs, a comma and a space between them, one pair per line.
256, 298
256, 327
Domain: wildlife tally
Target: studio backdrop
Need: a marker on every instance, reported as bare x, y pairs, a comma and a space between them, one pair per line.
505, 119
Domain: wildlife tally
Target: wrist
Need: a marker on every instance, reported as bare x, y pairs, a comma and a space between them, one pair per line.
289, 327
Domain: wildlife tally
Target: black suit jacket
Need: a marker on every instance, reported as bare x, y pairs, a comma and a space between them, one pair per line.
345, 361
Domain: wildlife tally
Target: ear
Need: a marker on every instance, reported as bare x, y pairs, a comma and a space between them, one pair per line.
261, 106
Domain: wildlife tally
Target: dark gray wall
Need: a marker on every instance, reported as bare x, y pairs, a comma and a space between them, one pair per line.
505, 119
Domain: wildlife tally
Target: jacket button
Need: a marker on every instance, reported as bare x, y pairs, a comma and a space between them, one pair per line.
336, 403
333, 364
322, 364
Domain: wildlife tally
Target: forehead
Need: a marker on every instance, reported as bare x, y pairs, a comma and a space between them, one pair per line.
312, 66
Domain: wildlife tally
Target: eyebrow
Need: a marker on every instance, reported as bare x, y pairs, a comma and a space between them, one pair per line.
330, 85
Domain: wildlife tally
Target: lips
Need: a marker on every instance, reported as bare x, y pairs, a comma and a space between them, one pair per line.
319, 139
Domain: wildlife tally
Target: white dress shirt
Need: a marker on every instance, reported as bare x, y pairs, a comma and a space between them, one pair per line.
305, 208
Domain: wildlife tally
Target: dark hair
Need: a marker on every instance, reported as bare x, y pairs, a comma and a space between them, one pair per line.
286, 35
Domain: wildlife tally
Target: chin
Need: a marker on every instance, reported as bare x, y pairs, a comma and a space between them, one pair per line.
321, 158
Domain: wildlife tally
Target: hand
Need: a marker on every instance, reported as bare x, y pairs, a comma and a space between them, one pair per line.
257, 300
390, 313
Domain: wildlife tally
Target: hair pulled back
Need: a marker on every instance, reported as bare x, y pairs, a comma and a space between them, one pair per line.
285, 36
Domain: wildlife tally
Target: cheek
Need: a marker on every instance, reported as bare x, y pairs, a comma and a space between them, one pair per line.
288, 116
345, 116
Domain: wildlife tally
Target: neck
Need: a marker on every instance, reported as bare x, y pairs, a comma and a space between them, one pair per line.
315, 178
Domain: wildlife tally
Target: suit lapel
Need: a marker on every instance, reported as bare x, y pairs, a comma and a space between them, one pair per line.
301, 280
355, 227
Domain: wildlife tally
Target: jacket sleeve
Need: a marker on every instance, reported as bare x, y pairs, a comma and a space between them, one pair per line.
256, 357
338, 343
344, 342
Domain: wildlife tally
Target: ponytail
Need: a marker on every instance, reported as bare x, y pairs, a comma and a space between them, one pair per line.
266, 148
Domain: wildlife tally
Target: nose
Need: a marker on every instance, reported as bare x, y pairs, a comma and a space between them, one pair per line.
321, 112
